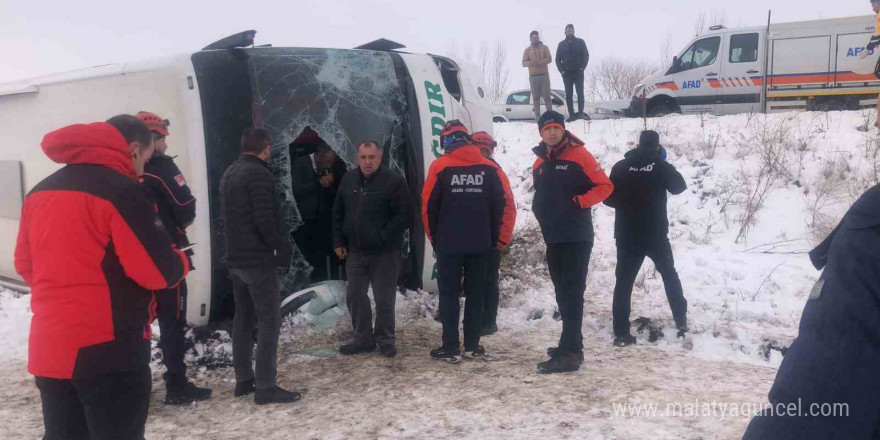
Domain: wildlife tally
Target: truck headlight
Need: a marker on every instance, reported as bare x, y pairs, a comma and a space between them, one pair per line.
602, 111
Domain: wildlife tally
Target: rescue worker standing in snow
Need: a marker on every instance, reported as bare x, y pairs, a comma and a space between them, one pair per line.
176, 207
641, 181
568, 183
92, 250
467, 211
490, 301
827, 386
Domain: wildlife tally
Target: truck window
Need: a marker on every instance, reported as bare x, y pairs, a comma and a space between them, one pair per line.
519, 98
12, 193
701, 54
744, 48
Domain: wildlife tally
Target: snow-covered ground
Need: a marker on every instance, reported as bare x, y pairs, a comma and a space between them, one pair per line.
745, 287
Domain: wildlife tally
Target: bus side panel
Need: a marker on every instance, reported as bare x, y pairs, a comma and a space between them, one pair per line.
436, 107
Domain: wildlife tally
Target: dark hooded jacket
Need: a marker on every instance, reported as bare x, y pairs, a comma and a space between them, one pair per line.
835, 358
641, 181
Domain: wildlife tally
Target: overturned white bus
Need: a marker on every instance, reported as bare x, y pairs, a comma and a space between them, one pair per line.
210, 97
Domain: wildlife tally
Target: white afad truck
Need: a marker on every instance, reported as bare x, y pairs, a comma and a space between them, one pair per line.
346, 96
799, 66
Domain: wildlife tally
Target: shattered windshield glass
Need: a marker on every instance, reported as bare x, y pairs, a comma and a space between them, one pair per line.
345, 96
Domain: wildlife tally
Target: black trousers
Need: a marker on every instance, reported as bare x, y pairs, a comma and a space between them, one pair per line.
629, 260
380, 271
108, 407
568, 264
314, 240
490, 302
574, 80
171, 314
450, 268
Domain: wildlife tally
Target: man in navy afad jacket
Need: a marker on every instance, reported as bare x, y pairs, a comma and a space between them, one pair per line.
827, 386
641, 181
568, 183
467, 210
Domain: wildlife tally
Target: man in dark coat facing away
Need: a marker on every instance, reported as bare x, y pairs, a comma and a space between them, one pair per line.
641, 181
828, 386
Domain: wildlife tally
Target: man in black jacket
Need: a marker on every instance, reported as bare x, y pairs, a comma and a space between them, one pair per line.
315, 180
827, 384
255, 248
641, 181
371, 212
176, 207
572, 58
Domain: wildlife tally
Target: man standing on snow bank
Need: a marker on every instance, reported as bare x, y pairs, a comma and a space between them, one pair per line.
572, 58
467, 211
255, 248
92, 250
641, 181
829, 375
176, 207
568, 183
536, 57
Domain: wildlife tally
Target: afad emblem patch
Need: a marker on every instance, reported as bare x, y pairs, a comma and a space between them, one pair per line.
181, 181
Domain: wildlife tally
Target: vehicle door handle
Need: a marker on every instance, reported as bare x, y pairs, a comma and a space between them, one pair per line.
753, 71
711, 74
507, 109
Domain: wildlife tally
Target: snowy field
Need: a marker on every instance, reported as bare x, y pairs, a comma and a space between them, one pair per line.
762, 191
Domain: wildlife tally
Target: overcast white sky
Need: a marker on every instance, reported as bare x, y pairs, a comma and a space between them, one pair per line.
39, 37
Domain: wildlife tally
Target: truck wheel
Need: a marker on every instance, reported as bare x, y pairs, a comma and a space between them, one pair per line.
659, 111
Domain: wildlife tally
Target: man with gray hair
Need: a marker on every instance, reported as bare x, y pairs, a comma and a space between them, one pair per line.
536, 57
372, 210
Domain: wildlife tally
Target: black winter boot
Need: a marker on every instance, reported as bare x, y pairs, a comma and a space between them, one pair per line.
562, 362
185, 394
625, 340
448, 354
245, 388
551, 351
275, 394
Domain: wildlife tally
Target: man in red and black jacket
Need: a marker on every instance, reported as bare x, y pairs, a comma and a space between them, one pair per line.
176, 207
92, 250
568, 183
467, 210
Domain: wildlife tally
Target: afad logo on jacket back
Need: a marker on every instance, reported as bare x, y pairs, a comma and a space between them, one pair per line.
467, 183
438, 115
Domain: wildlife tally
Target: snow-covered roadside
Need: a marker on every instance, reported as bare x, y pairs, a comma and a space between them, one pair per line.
745, 300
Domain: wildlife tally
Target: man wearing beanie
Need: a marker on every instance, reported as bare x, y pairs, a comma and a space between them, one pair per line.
467, 210
568, 183
641, 181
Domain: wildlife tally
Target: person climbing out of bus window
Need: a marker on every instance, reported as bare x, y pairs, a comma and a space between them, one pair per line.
873, 44
373, 208
176, 207
490, 301
93, 251
467, 211
315, 178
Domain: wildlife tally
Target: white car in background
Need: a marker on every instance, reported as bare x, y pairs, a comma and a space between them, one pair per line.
517, 106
